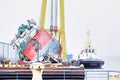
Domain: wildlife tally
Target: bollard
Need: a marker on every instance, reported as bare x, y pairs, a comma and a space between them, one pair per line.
37, 69
114, 76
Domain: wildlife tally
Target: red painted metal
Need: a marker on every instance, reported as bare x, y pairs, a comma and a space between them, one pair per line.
42, 37
55, 29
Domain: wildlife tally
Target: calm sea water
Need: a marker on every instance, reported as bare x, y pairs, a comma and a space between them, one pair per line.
112, 62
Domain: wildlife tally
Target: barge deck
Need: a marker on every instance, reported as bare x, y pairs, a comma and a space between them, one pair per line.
49, 73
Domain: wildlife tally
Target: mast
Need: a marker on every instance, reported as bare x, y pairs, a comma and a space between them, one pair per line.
88, 41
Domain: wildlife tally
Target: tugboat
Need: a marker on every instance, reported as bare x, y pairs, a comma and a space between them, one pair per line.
88, 56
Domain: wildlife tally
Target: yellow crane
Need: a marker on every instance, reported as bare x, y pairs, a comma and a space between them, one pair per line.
61, 30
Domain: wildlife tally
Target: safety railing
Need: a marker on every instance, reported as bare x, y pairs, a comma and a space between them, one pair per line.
89, 74
100, 74
6, 50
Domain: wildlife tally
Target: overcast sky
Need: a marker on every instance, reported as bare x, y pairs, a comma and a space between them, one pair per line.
101, 17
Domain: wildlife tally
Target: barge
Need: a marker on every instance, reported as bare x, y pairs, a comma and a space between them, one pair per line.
50, 72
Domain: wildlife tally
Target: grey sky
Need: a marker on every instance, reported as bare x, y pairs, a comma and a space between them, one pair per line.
101, 17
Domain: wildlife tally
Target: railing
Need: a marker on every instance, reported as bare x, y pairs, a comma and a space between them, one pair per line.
6, 50
89, 74
15, 75
100, 74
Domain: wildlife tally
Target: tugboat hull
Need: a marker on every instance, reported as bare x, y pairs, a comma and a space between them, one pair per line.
92, 63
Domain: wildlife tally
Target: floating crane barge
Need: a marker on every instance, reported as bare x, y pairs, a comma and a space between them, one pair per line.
49, 44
